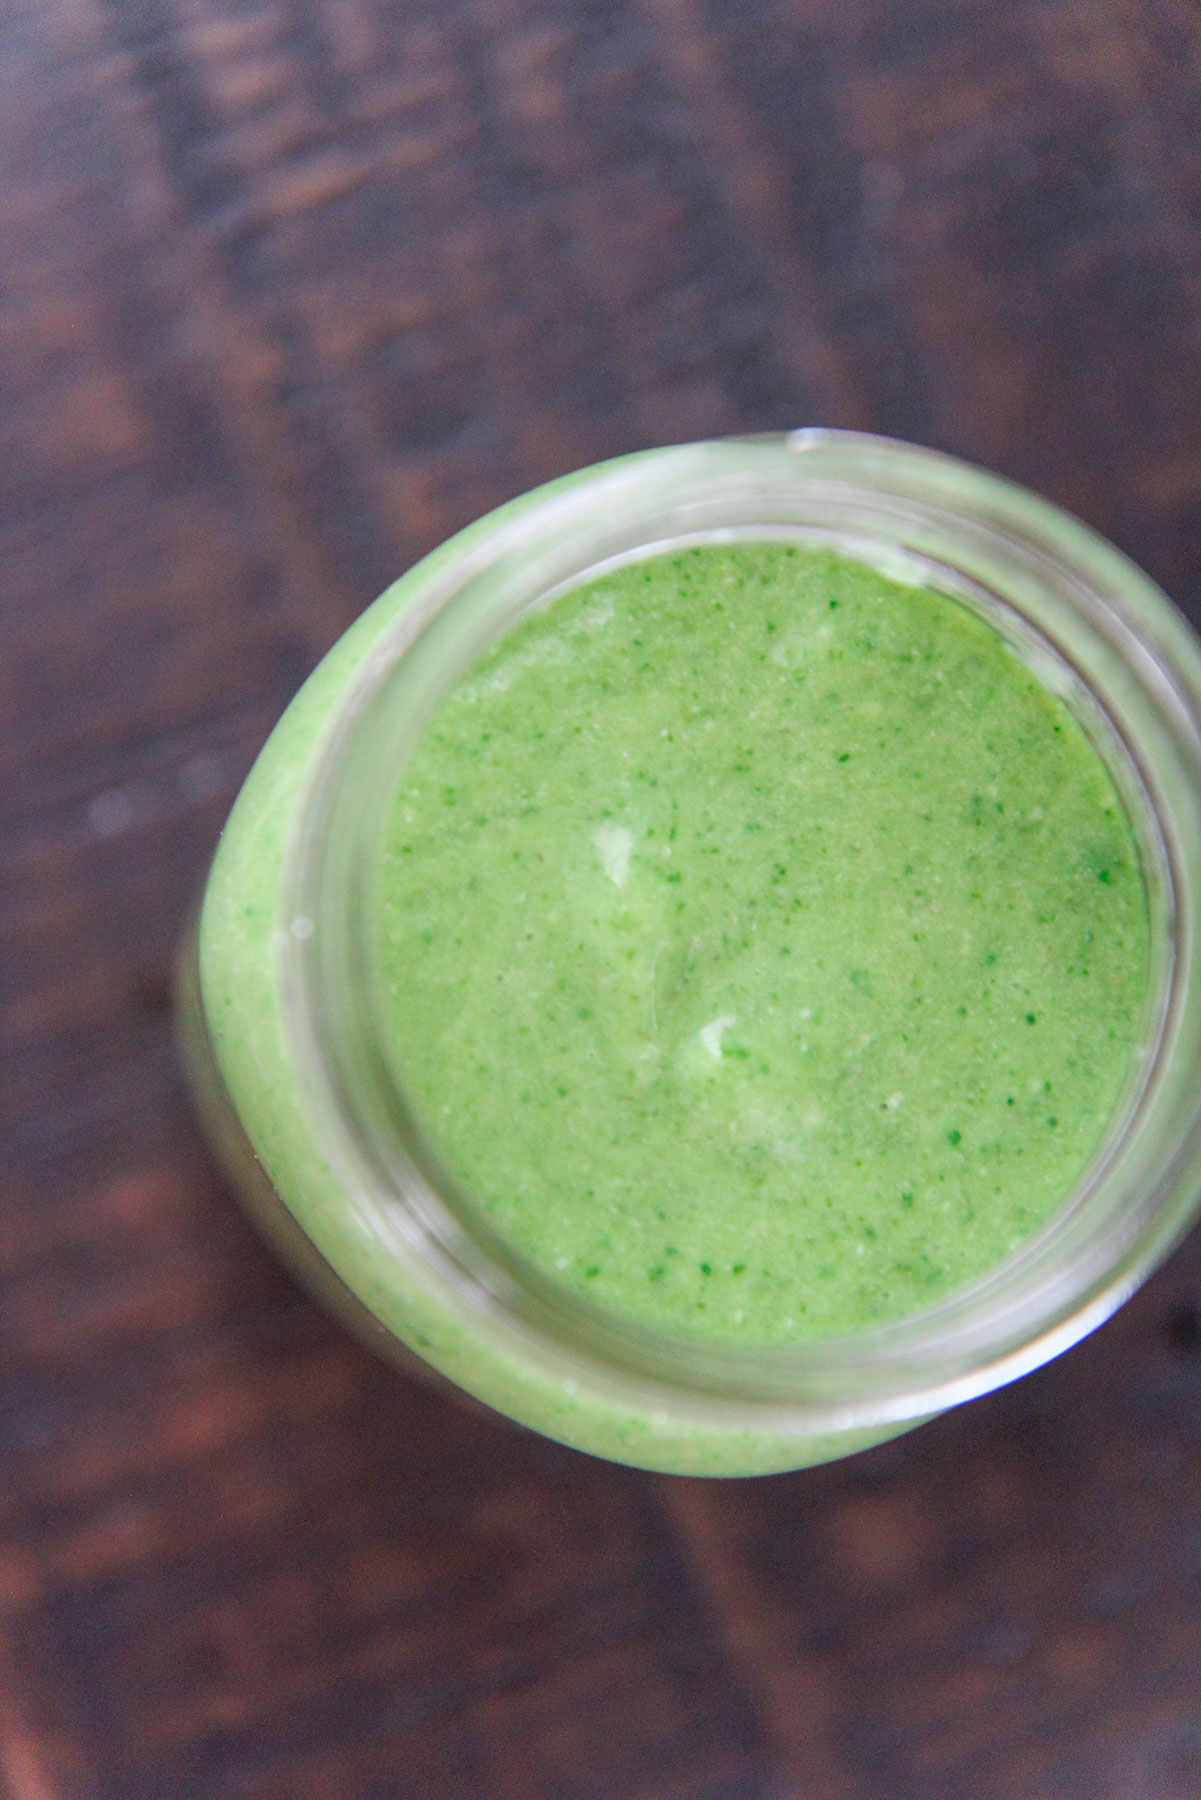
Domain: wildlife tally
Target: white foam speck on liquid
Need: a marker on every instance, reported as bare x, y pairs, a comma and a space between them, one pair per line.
597, 615
614, 843
712, 1034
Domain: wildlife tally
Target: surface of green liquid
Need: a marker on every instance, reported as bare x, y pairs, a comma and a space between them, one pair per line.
761, 946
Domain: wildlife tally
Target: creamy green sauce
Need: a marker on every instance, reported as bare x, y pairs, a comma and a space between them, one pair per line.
762, 946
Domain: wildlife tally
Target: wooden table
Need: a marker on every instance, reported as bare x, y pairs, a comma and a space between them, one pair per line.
289, 290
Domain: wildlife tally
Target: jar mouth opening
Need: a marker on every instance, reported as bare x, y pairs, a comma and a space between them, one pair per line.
1091, 629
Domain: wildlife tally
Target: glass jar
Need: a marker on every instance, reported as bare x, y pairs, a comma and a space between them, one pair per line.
286, 1051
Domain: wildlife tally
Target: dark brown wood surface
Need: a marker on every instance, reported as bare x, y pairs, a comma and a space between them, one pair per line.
289, 289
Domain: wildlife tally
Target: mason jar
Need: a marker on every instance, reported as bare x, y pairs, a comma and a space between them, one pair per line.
304, 1104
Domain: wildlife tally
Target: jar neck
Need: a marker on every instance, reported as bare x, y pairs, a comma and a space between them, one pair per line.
1092, 629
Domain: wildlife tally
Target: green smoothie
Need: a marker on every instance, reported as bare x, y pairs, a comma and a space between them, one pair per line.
658, 963
763, 947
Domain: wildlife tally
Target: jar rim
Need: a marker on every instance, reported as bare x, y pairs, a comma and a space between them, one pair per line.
1134, 655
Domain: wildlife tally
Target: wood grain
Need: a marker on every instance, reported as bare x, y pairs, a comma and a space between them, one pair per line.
290, 290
